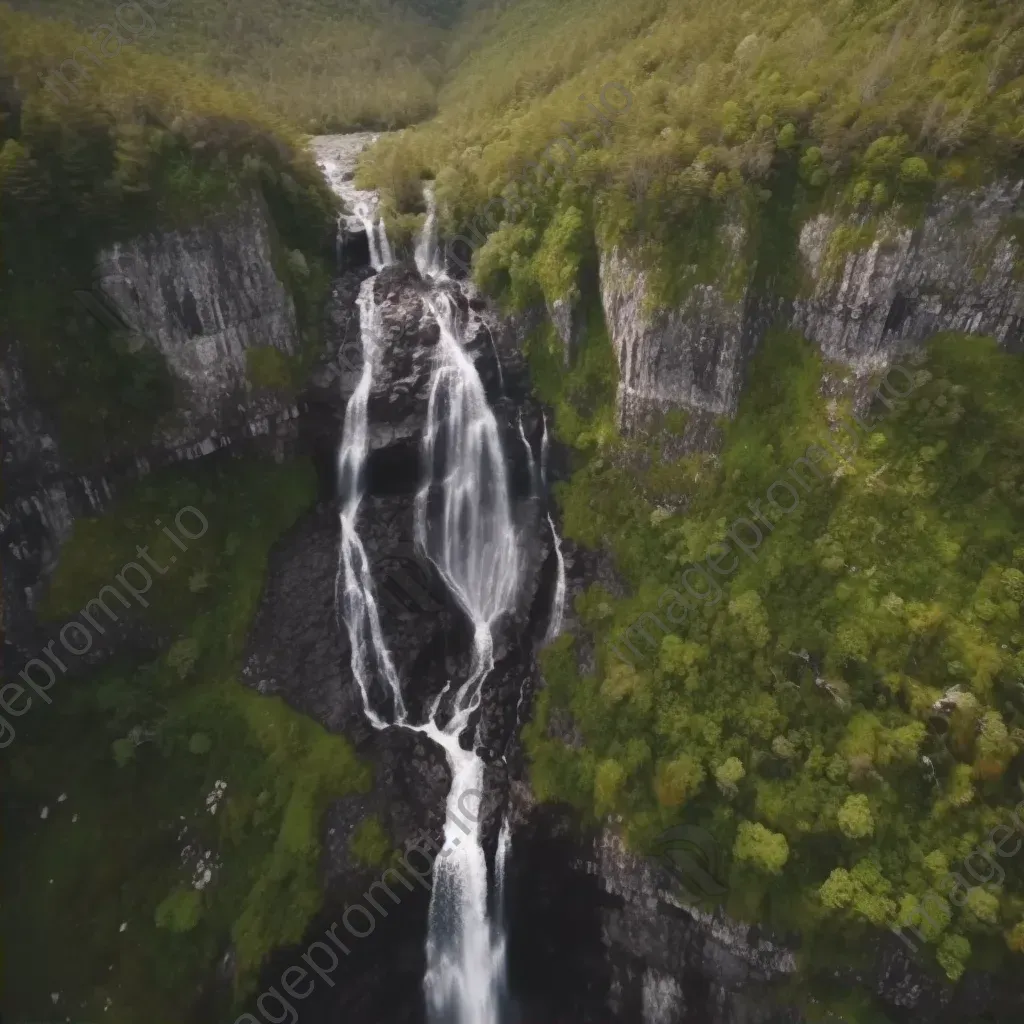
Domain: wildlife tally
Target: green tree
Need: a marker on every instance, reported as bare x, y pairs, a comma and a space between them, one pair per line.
855, 818
765, 850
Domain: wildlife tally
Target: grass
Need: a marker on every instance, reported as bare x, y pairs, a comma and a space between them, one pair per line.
139, 748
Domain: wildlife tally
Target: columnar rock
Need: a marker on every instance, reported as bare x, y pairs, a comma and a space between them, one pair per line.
204, 297
690, 356
960, 269
872, 287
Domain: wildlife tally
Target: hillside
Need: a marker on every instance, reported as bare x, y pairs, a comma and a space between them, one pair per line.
328, 65
873, 101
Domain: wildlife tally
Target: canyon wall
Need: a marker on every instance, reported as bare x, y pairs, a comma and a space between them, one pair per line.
203, 298
871, 287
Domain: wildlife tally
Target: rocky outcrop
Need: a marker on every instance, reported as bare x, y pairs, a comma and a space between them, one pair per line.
568, 324
689, 357
871, 289
658, 946
960, 269
602, 935
299, 648
204, 297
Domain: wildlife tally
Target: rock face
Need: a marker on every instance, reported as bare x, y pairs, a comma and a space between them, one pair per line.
601, 935
565, 316
689, 358
299, 648
659, 946
960, 270
204, 297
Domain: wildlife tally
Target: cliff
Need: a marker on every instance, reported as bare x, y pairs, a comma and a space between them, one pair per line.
870, 288
690, 356
202, 298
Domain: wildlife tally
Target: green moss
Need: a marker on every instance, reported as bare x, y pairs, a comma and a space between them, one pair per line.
180, 910
269, 367
583, 395
369, 843
845, 240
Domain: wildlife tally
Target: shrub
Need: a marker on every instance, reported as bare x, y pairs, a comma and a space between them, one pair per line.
914, 171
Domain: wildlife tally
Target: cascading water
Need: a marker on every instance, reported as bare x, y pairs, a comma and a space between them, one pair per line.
354, 584
464, 524
376, 236
531, 465
428, 257
337, 155
558, 601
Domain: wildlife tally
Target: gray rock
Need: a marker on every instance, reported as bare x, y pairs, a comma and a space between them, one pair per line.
690, 357
204, 297
956, 271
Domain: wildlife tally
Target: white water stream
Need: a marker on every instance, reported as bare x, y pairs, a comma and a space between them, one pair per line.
428, 256
558, 601
337, 155
464, 524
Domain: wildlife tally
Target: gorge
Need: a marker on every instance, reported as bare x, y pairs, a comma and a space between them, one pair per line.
441, 485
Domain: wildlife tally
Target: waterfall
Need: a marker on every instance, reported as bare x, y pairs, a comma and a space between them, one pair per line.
354, 584
337, 156
463, 523
428, 259
376, 236
473, 543
531, 465
501, 862
501, 858
387, 258
558, 601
